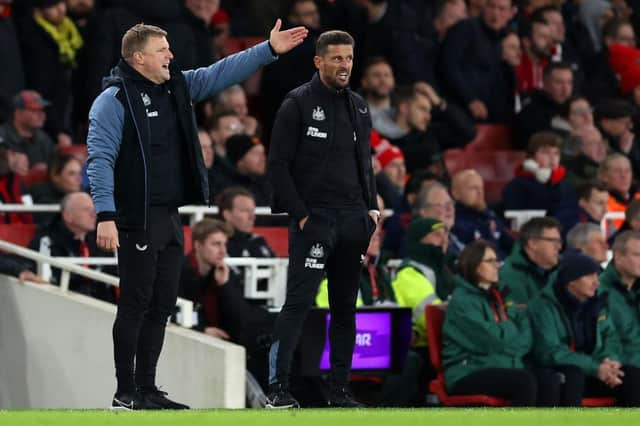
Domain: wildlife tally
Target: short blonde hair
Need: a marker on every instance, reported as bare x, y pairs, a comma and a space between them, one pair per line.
136, 37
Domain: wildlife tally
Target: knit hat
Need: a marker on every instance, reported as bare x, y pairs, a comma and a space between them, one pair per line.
238, 145
29, 99
573, 265
625, 62
421, 226
613, 108
45, 3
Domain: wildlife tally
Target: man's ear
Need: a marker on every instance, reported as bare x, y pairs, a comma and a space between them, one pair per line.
317, 61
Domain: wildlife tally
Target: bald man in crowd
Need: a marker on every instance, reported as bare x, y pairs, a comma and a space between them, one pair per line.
474, 220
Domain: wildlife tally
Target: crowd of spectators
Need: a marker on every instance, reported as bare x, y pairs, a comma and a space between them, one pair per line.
564, 75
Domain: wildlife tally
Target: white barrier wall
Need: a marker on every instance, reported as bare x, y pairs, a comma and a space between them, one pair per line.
56, 352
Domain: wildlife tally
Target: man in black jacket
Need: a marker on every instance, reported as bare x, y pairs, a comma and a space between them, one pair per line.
144, 162
320, 163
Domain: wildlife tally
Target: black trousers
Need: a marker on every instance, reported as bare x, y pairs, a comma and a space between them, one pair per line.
149, 263
334, 241
518, 385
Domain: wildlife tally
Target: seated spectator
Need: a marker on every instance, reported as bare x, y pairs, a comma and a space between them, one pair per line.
217, 178
631, 220
234, 98
614, 118
13, 164
536, 45
377, 85
574, 335
237, 208
474, 220
421, 141
485, 336
620, 280
545, 104
19, 267
511, 60
591, 208
221, 126
588, 238
533, 261
216, 292
24, 130
247, 157
471, 63
615, 173
592, 150
72, 234
389, 168
539, 183
576, 114
65, 177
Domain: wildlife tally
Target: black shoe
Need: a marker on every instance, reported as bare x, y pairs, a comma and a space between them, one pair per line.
159, 398
341, 396
132, 401
280, 398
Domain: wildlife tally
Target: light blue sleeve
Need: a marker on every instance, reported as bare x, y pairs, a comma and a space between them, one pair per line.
207, 81
106, 121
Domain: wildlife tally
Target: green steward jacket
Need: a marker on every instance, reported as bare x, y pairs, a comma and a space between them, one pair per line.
523, 277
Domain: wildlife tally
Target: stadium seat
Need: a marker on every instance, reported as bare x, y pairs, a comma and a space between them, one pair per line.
186, 230
455, 160
598, 402
491, 137
435, 319
80, 151
17, 233
34, 176
277, 237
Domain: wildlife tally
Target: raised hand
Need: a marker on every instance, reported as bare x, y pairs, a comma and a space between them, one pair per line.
284, 41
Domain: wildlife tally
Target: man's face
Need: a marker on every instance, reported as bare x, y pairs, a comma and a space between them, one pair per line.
203, 9
596, 247
547, 157
585, 287
254, 162
470, 192
54, 14
453, 12
626, 36
378, 81
580, 114
81, 213
618, 175
596, 205
540, 40
228, 126
335, 65
396, 171
80, 7
628, 261
155, 59
617, 127
556, 23
419, 113
305, 13
242, 215
440, 206
559, 85
70, 177
546, 249
497, 14
207, 148
593, 145
237, 101
30, 118
213, 249
511, 50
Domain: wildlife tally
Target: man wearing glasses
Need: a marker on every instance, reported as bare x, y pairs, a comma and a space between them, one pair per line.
144, 162
533, 261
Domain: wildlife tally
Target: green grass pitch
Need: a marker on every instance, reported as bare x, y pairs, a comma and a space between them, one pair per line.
316, 417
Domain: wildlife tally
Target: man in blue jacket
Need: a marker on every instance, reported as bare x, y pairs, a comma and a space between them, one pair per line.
144, 162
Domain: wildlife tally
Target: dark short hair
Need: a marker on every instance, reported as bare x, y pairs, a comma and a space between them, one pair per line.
565, 109
541, 11
373, 61
331, 38
612, 26
201, 230
225, 200
418, 178
620, 243
543, 139
136, 38
58, 161
554, 66
534, 228
526, 30
471, 258
584, 190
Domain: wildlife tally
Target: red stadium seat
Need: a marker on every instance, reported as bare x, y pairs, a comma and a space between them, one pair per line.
17, 233
455, 160
435, 319
186, 230
80, 151
34, 176
598, 402
491, 137
277, 237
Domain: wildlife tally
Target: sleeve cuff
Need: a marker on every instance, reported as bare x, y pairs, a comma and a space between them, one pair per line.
106, 216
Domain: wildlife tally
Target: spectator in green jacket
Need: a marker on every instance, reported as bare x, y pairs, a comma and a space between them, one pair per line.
574, 335
485, 335
532, 263
621, 280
